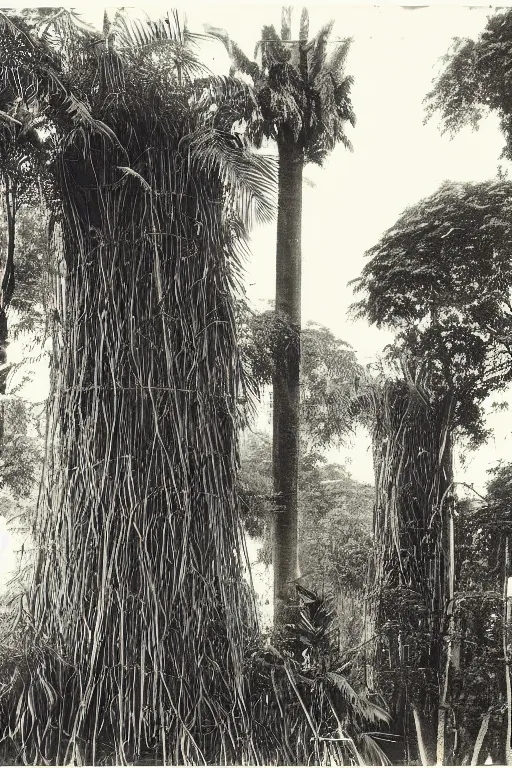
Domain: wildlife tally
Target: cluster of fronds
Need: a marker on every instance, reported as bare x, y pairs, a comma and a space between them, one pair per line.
303, 708
302, 89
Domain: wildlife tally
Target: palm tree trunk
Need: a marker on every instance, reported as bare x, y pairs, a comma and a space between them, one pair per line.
286, 379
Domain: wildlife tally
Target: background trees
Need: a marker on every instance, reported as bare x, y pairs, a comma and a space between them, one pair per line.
440, 277
334, 509
475, 79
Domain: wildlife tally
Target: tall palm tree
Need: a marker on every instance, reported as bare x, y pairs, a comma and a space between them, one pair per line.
138, 616
303, 103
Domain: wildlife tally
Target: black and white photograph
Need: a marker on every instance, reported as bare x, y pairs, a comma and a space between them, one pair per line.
256, 385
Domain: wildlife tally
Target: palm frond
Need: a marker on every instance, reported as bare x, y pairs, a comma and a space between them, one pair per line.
365, 709
286, 22
81, 116
136, 32
336, 62
372, 752
240, 62
249, 180
304, 24
317, 51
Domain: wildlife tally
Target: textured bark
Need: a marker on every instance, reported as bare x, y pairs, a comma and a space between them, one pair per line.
506, 655
443, 757
286, 379
138, 528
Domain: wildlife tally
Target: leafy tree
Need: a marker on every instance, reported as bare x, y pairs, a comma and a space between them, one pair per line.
302, 100
329, 374
476, 80
30, 304
22, 173
335, 514
440, 278
21, 462
257, 501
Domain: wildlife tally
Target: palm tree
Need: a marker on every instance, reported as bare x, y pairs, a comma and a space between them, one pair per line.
138, 617
303, 103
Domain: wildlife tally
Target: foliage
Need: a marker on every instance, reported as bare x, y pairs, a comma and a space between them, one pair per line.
22, 451
476, 79
304, 699
256, 487
336, 530
302, 92
31, 300
329, 372
335, 513
441, 277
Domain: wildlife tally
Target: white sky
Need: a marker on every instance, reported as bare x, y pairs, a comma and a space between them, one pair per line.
396, 159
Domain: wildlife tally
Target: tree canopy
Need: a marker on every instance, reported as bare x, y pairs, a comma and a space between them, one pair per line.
441, 276
476, 79
302, 89
329, 373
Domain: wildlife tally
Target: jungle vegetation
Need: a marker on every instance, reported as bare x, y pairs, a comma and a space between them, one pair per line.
132, 635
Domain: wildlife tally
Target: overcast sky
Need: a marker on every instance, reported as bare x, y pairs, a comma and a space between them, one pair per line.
396, 161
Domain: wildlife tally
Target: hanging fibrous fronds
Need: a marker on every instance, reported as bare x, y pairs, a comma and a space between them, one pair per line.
408, 592
138, 618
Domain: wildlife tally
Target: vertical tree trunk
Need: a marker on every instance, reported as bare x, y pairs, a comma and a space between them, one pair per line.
139, 583
506, 655
449, 576
6, 292
286, 379
413, 543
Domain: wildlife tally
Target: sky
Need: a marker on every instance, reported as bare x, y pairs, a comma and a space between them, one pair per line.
397, 160
356, 196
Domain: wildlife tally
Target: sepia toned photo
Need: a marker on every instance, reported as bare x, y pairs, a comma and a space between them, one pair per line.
256, 385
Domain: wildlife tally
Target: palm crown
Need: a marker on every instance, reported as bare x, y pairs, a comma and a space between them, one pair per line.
301, 86
68, 77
